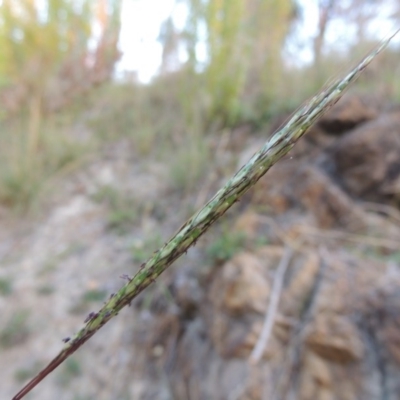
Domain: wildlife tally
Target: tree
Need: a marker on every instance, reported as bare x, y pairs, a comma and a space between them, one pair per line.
356, 13
46, 59
52, 51
244, 42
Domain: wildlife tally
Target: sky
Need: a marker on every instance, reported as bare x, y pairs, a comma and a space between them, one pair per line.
141, 20
140, 27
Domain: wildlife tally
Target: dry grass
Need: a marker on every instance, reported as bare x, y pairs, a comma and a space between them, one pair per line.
25, 171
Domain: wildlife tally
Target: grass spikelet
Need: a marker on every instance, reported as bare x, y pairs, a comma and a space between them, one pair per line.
274, 149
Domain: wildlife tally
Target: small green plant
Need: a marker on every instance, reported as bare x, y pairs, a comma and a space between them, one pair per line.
23, 374
260, 241
126, 111
45, 290
79, 307
90, 296
141, 249
157, 298
378, 254
49, 265
122, 208
226, 246
6, 287
120, 220
94, 295
395, 257
189, 163
54, 260
71, 369
73, 248
83, 397
106, 194
26, 172
16, 330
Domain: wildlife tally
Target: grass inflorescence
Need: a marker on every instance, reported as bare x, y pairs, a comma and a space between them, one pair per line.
273, 150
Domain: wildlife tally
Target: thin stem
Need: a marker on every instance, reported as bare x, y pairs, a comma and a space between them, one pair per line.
273, 150
272, 308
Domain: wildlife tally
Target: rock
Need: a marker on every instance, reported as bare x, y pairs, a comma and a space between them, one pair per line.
391, 338
236, 337
187, 294
351, 111
367, 160
301, 284
273, 190
242, 286
319, 380
239, 299
379, 314
325, 200
292, 184
316, 379
238, 137
320, 370
336, 339
158, 333
248, 223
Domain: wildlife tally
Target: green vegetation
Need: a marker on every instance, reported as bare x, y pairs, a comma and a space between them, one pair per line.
85, 302
225, 246
123, 211
127, 111
6, 287
25, 173
23, 374
239, 49
16, 330
94, 295
83, 397
156, 298
380, 254
141, 248
49, 266
260, 241
43, 69
54, 260
45, 290
71, 369
51, 122
189, 164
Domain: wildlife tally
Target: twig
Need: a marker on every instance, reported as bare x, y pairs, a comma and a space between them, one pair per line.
351, 237
272, 309
295, 243
288, 374
273, 150
388, 210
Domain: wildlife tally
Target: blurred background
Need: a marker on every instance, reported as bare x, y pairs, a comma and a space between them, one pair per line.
119, 119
